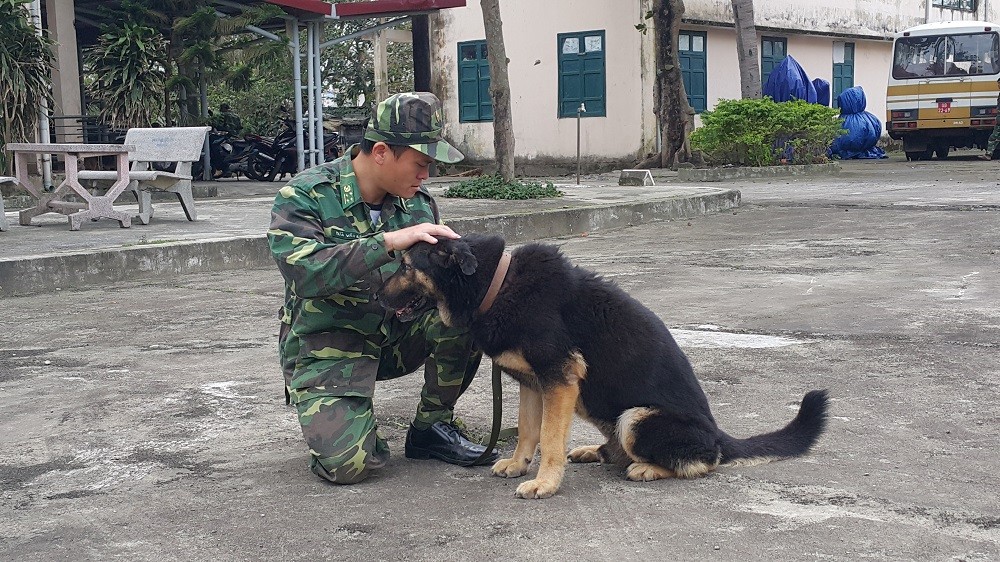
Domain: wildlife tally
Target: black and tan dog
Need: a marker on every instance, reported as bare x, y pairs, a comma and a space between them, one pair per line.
578, 343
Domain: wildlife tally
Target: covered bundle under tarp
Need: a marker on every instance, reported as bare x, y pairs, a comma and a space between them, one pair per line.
822, 91
863, 128
788, 81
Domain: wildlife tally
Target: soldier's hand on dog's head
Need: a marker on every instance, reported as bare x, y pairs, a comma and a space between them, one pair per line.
403, 238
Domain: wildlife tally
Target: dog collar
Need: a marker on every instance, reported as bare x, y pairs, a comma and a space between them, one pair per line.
498, 276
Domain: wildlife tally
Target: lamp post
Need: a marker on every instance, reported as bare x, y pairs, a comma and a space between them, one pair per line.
579, 111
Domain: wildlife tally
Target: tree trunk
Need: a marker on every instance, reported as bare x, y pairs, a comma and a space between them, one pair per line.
503, 126
746, 48
674, 114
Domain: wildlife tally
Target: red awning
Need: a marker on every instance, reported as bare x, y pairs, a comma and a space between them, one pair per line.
309, 6
376, 8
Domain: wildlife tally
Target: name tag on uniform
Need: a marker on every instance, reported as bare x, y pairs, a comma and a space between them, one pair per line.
346, 235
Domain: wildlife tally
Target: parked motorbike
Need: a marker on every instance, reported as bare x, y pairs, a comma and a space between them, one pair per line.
275, 158
229, 156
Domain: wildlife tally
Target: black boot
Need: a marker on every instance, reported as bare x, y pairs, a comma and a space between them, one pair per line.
445, 442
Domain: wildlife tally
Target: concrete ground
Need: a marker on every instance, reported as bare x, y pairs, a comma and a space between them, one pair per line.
154, 428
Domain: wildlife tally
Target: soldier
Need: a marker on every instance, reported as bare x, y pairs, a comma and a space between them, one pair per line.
991, 143
336, 234
229, 121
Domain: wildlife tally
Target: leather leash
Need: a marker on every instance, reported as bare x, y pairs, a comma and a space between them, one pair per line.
491, 294
497, 414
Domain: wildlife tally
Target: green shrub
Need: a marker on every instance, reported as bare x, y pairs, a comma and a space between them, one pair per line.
493, 187
762, 132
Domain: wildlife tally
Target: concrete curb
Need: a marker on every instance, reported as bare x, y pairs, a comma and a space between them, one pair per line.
524, 227
18, 202
722, 174
47, 273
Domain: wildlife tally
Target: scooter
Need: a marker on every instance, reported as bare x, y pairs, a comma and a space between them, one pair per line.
229, 156
276, 158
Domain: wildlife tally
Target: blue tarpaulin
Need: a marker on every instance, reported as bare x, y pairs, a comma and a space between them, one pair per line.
822, 91
863, 128
788, 81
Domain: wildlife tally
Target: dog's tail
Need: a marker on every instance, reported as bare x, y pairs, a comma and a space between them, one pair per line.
793, 440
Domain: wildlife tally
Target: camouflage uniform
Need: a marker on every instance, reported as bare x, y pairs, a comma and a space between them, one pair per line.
994, 139
335, 339
229, 122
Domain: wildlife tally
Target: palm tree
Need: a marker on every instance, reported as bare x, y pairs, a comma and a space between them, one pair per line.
197, 41
503, 125
670, 104
25, 63
746, 48
125, 75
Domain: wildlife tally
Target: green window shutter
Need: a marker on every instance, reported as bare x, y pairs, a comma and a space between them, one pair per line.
582, 74
485, 101
474, 102
692, 51
843, 73
773, 50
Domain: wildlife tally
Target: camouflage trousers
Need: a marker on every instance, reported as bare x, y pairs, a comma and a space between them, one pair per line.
994, 139
340, 428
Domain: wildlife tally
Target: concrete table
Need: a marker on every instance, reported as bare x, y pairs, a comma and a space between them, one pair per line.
94, 207
3, 218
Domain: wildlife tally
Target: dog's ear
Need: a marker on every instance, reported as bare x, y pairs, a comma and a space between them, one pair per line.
463, 256
450, 253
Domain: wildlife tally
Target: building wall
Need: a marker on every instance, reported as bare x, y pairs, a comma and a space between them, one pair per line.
811, 29
530, 32
814, 53
629, 130
867, 18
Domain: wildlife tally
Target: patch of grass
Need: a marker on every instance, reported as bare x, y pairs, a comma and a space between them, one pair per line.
493, 187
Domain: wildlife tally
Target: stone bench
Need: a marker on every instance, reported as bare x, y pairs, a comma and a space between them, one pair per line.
181, 146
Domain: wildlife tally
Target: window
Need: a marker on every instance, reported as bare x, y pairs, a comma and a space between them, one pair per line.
773, 50
691, 50
474, 102
946, 55
581, 74
963, 5
843, 68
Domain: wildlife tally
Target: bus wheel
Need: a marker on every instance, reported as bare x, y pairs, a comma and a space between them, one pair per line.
942, 151
914, 156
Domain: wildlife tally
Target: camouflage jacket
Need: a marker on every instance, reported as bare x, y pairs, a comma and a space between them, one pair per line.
229, 122
333, 259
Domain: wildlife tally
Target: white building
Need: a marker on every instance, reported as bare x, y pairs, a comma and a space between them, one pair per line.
564, 52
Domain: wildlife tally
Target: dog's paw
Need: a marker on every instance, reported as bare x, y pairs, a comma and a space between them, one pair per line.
587, 453
536, 489
646, 472
510, 468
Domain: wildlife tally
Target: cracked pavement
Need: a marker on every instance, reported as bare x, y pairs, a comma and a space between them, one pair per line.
155, 428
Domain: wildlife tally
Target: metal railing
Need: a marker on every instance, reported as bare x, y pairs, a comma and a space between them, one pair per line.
83, 129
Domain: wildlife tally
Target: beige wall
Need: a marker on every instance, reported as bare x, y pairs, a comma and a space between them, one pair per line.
867, 18
814, 53
530, 30
629, 130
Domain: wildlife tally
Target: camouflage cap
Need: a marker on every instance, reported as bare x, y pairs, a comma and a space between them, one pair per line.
413, 119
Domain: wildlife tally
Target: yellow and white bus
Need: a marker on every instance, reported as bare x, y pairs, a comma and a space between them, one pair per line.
942, 91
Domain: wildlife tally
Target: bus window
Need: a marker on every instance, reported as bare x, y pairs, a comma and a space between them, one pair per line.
976, 53
914, 57
947, 55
